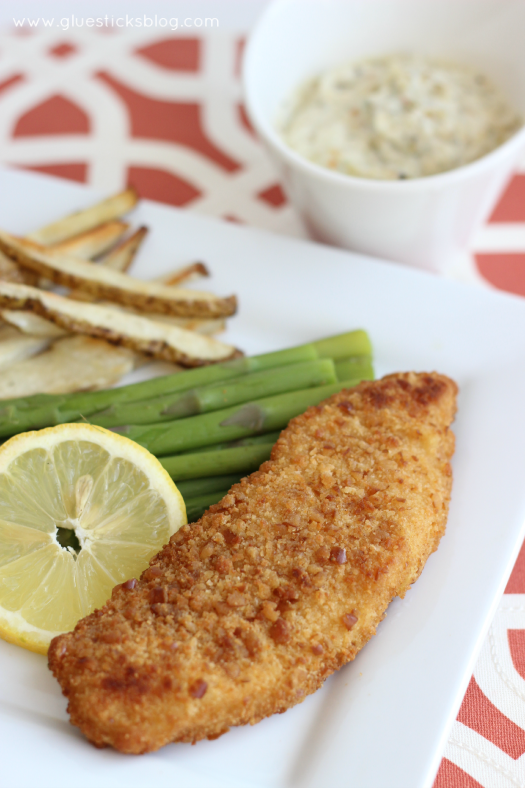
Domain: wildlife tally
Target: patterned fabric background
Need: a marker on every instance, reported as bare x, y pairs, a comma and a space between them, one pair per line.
164, 112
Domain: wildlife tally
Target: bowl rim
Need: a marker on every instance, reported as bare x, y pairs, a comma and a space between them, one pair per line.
270, 135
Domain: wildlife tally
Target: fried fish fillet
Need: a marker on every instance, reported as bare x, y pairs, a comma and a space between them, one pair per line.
249, 610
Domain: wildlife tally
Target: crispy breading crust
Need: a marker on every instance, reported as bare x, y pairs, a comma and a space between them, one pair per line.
249, 610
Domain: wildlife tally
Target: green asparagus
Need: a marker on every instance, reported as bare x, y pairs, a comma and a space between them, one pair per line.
43, 410
195, 507
243, 459
209, 484
356, 367
259, 416
255, 385
249, 440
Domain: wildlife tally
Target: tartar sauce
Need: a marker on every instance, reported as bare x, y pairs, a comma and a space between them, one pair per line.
401, 116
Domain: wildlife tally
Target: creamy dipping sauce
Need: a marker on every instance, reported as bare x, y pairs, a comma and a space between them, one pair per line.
396, 117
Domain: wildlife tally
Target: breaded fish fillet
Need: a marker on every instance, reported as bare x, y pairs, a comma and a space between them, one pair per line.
247, 611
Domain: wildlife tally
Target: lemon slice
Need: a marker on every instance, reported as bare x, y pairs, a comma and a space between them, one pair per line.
81, 509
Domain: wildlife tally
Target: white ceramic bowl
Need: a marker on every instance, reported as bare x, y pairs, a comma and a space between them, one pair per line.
423, 222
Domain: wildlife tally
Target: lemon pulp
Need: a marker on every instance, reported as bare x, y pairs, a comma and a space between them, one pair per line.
80, 511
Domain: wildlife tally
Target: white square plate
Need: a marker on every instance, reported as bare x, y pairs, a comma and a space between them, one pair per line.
382, 721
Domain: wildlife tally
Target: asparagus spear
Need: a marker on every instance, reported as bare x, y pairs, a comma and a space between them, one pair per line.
195, 507
18, 415
356, 367
340, 346
249, 440
209, 484
93, 401
242, 459
255, 417
219, 395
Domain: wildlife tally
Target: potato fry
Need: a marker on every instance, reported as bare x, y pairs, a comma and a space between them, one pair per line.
11, 272
162, 341
119, 258
71, 364
8, 332
80, 295
19, 348
93, 242
31, 323
112, 208
183, 274
207, 327
177, 276
106, 283
123, 255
